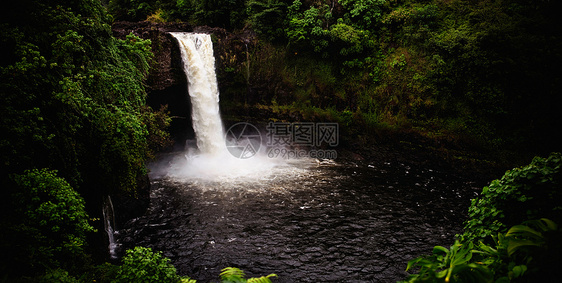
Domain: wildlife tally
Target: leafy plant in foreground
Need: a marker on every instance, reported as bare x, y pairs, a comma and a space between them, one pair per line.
534, 249
529, 235
529, 251
143, 265
529, 192
449, 265
235, 275
59, 276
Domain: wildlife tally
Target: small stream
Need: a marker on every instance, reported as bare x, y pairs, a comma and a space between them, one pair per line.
306, 221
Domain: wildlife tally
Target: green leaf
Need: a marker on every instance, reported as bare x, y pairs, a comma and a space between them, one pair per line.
523, 231
263, 279
232, 274
519, 270
440, 249
515, 245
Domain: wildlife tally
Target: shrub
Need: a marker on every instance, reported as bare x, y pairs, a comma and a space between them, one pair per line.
266, 17
143, 265
51, 223
529, 252
58, 276
529, 192
446, 264
53, 207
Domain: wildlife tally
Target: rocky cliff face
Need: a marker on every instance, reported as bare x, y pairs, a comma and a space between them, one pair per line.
167, 85
167, 71
230, 48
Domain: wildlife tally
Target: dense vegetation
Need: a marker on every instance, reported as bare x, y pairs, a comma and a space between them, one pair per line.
481, 71
75, 126
488, 251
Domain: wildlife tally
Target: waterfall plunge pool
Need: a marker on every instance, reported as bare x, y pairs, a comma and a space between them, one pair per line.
305, 221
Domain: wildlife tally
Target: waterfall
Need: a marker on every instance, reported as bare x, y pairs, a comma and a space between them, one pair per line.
215, 160
199, 67
109, 226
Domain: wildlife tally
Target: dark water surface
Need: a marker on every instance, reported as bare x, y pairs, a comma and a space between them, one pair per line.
306, 222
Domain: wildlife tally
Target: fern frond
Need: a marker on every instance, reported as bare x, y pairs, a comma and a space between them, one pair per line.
263, 279
232, 274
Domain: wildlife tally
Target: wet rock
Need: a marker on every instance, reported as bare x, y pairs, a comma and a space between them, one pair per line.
128, 207
293, 263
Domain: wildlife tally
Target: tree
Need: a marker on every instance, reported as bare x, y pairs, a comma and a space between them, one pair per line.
72, 100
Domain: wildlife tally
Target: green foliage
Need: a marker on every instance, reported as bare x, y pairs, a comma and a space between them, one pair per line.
352, 41
449, 265
365, 14
317, 27
529, 252
521, 237
235, 275
534, 250
526, 253
522, 193
306, 27
404, 90
266, 17
103, 273
59, 276
424, 14
157, 17
228, 14
132, 10
232, 274
142, 265
72, 100
52, 222
482, 46
457, 65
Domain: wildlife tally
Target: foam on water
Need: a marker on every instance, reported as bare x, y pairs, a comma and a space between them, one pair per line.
210, 161
187, 167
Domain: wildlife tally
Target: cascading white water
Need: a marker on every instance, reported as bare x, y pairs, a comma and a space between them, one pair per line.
199, 67
213, 162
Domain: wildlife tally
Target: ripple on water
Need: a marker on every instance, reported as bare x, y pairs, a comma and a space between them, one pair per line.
302, 220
